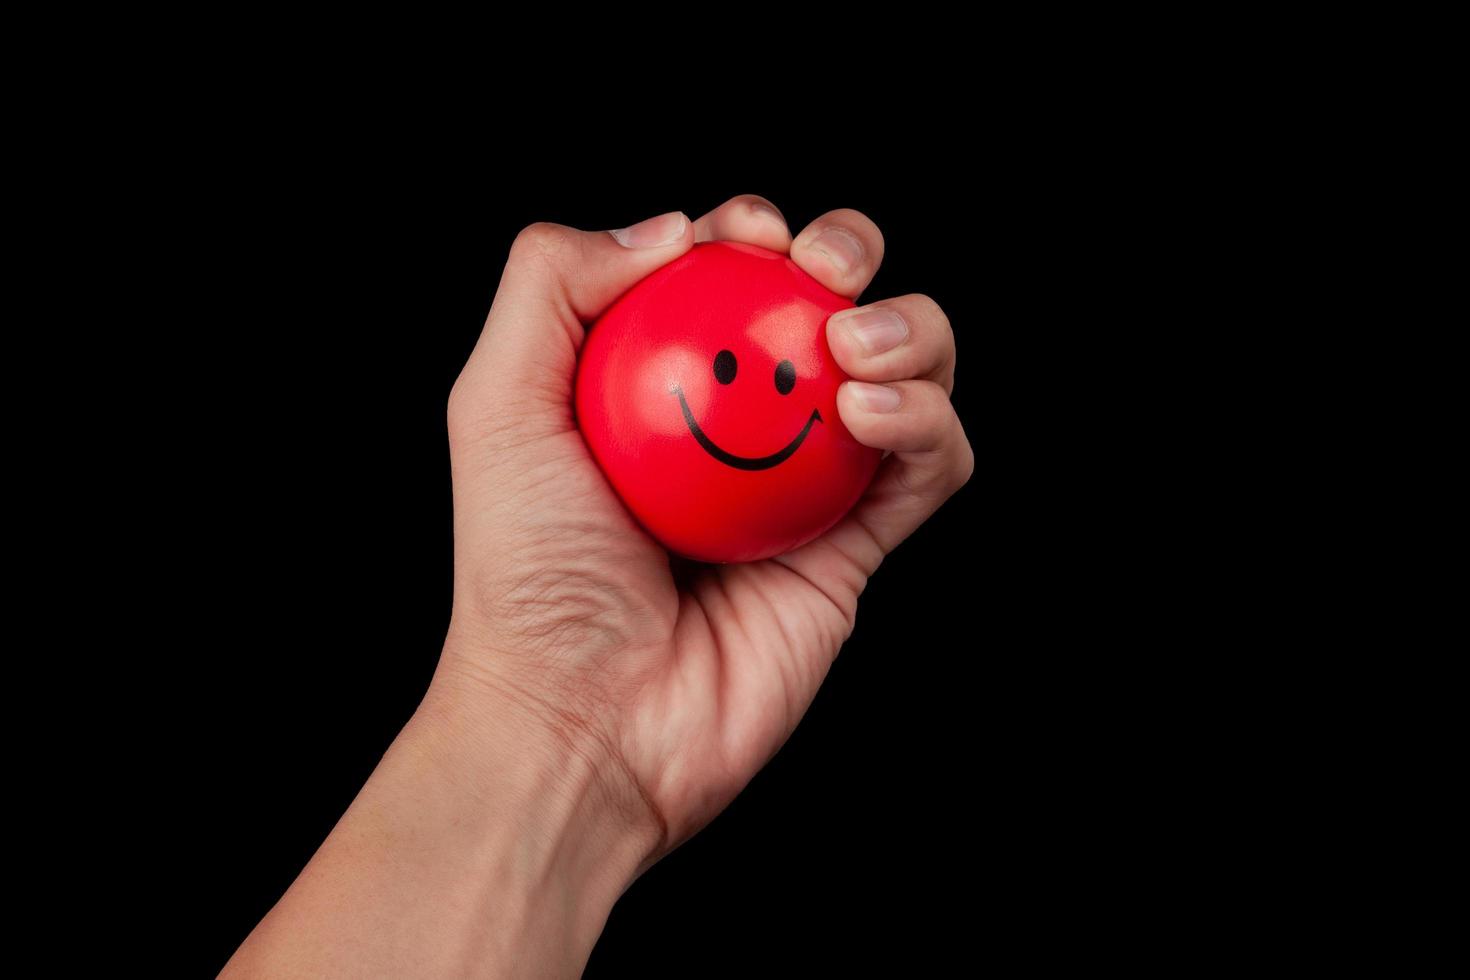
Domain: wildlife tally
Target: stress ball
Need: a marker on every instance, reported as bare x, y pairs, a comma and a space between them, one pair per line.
708, 396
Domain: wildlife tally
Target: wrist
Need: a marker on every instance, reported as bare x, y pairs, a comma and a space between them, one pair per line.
553, 807
483, 844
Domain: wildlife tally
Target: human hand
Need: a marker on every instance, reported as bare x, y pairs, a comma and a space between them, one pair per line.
597, 702
674, 682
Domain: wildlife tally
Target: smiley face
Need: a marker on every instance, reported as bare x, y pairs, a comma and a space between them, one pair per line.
726, 369
708, 397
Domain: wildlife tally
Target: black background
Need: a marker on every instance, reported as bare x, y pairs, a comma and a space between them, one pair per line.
983, 766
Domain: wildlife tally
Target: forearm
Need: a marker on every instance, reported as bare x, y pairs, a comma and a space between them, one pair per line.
482, 845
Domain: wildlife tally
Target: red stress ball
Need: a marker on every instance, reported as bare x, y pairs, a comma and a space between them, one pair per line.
708, 397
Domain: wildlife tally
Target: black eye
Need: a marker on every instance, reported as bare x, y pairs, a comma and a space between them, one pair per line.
785, 377
724, 367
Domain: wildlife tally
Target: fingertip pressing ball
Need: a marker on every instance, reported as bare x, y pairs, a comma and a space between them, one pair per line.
708, 396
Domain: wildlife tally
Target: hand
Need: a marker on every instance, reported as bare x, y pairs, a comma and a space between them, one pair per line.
681, 686
597, 702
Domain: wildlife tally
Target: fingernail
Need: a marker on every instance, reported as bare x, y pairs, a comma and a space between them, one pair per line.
875, 329
875, 398
768, 211
841, 246
662, 230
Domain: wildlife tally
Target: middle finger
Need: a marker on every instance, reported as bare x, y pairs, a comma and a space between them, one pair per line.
893, 340
842, 250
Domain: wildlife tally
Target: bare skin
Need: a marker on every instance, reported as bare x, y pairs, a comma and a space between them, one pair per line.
596, 703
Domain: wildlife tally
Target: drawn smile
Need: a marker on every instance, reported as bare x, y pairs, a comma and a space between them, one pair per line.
743, 462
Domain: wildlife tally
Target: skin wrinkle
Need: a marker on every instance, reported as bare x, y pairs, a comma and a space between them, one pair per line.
568, 605
762, 593
542, 243
665, 775
721, 651
684, 654
865, 570
739, 617
855, 585
466, 435
578, 722
929, 475
783, 664
721, 657
859, 573
871, 532
820, 590
571, 602
553, 469
811, 671
718, 585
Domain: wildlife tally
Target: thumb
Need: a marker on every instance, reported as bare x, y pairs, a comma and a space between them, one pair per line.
556, 280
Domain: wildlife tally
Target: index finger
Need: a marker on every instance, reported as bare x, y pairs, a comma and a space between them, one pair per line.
747, 218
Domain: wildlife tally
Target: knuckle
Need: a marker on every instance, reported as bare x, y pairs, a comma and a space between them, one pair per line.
458, 406
929, 318
931, 398
927, 310
458, 391
540, 240
965, 466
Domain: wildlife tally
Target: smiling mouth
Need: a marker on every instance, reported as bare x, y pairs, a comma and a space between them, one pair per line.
743, 462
